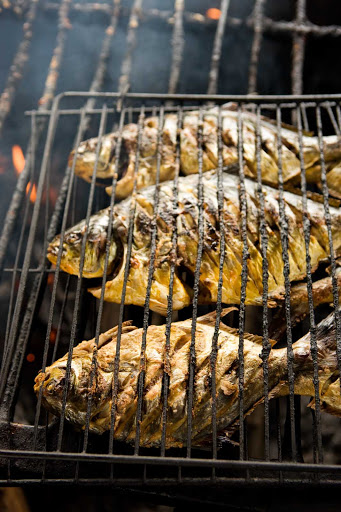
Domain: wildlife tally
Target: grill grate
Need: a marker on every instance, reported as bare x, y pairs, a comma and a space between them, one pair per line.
52, 446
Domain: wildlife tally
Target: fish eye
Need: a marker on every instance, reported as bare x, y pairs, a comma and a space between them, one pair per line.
73, 237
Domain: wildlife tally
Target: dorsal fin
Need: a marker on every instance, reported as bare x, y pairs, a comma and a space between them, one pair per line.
104, 338
210, 318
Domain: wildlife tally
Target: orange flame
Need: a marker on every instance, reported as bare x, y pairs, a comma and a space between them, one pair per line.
33, 194
18, 159
213, 13
19, 165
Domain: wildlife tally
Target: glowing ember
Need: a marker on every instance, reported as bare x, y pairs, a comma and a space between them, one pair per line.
213, 13
18, 159
53, 335
30, 358
33, 194
19, 165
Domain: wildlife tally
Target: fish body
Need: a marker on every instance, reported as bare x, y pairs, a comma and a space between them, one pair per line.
51, 382
186, 220
187, 136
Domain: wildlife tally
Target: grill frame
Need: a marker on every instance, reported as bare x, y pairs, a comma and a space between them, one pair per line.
13, 360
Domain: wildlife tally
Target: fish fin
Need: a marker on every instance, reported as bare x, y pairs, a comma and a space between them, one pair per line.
112, 333
104, 338
210, 318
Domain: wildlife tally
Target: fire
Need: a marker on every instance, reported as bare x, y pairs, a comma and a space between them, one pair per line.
19, 165
18, 159
30, 358
213, 13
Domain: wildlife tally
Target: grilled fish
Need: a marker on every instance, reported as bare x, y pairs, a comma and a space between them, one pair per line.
186, 220
51, 382
188, 138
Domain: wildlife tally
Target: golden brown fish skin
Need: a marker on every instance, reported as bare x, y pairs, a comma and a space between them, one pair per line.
186, 219
51, 382
188, 139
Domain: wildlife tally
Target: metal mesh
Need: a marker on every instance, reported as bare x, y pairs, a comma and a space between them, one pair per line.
46, 305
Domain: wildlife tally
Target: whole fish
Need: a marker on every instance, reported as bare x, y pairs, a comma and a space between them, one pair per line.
51, 383
188, 139
185, 256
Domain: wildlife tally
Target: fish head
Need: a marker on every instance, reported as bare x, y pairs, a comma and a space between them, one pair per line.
87, 159
52, 383
95, 240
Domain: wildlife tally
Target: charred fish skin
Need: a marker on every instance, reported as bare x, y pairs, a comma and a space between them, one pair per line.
51, 382
186, 221
188, 140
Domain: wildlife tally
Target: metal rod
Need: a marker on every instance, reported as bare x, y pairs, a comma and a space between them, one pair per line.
217, 46
258, 17
265, 273
298, 50
192, 352
131, 43
313, 342
286, 274
177, 45
18, 64
166, 372
214, 350
244, 277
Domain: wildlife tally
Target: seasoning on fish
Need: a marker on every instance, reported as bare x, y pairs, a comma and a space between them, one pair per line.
187, 244
51, 382
188, 139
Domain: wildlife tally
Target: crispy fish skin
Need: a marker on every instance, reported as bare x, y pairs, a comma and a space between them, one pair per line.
187, 244
188, 139
51, 382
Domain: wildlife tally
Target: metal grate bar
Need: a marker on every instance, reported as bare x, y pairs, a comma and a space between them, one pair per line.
178, 43
217, 46
298, 48
244, 275
330, 238
192, 355
264, 247
258, 17
53, 72
98, 79
166, 372
214, 351
131, 43
141, 377
313, 341
286, 273
18, 64
79, 282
